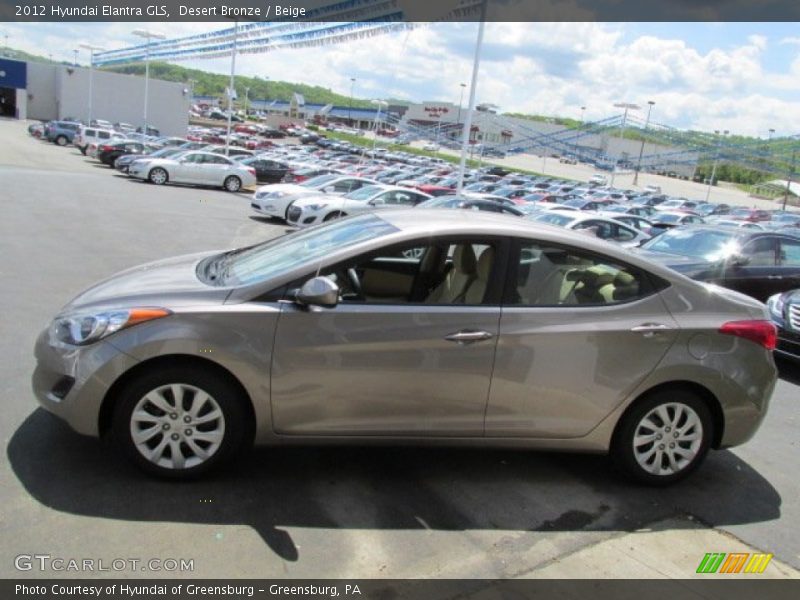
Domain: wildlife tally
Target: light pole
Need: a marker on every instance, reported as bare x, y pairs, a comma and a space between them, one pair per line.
75, 61
641, 148
350, 105
91, 50
714, 168
232, 88
460, 101
246, 100
148, 35
266, 97
627, 106
377, 119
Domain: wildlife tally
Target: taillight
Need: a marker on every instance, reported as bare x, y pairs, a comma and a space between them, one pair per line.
252, 171
106, 148
763, 333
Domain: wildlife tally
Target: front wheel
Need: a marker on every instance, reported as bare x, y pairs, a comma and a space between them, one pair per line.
179, 422
663, 438
158, 176
232, 183
61, 140
334, 215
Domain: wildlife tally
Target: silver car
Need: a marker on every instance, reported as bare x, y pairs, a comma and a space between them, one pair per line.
197, 168
316, 208
409, 326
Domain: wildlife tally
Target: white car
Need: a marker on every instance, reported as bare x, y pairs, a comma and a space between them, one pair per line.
87, 136
197, 168
314, 209
604, 228
598, 179
431, 147
273, 200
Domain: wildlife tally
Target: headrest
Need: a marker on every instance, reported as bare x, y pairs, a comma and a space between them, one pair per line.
485, 263
464, 259
624, 278
593, 276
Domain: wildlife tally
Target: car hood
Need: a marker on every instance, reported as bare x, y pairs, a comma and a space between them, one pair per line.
308, 199
288, 188
168, 282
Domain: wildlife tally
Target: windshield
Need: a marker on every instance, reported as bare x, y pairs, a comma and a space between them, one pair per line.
696, 243
740, 212
280, 256
364, 193
165, 152
320, 180
666, 218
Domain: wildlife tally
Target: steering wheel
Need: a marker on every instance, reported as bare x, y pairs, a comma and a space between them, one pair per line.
355, 283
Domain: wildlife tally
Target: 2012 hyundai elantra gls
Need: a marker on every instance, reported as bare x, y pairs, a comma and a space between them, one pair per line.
410, 326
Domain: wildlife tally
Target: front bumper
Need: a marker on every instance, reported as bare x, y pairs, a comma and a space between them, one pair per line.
270, 207
72, 381
788, 343
301, 217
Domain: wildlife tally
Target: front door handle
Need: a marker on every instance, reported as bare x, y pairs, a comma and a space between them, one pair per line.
468, 337
650, 329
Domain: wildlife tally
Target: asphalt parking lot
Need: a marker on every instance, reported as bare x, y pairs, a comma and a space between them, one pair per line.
323, 512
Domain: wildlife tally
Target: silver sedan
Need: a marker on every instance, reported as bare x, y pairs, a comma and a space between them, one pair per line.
410, 326
197, 168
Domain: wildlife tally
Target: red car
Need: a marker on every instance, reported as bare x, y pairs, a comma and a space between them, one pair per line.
754, 215
255, 144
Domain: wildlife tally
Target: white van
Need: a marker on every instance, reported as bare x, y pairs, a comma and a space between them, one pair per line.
93, 135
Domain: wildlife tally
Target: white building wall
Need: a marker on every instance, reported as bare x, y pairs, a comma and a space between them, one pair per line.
120, 98
42, 102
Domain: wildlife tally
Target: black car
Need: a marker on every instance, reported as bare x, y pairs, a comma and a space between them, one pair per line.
267, 170
756, 263
785, 312
108, 153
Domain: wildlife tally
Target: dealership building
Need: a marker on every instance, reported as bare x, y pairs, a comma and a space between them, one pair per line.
46, 91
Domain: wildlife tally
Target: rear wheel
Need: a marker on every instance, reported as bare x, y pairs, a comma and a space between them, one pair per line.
158, 176
664, 437
61, 140
179, 422
232, 183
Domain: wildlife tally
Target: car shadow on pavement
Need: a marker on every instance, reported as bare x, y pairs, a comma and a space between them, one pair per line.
385, 488
788, 370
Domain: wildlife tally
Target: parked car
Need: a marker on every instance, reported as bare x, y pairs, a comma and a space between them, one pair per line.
91, 135
668, 219
386, 326
267, 170
785, 312
756, 263
108, 153
475, 203
61, 133
314, 209
603, 228
750, 214
124, 162
274, 200
196, 168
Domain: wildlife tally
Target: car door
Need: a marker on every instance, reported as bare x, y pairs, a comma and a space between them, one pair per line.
187, 169
789, 263
215, 169
578, 333
757, 275
407, 357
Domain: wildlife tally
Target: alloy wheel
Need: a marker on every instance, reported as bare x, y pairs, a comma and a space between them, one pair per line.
668, 439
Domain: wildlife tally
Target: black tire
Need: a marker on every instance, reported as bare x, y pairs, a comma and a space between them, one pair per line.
158, 176
61, 140
83, 150
334, 215
624, 454
227, 396
232, 184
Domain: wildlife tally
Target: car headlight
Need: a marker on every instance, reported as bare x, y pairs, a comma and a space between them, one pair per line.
80, 329
316, 207
775, 305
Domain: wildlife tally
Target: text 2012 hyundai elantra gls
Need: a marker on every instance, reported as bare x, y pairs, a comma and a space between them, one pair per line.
411, 326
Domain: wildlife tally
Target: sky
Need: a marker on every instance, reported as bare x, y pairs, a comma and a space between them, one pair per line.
743, 77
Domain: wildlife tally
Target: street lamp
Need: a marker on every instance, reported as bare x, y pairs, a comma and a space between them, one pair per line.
246, 99
75, 62
789, 180
232, 88
148, 35
460, 100
641, 148
716, 159
91, 50
627, 106
379, 103
350, 106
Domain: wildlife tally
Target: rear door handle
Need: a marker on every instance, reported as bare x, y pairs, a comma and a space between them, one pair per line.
650, 329
468, 337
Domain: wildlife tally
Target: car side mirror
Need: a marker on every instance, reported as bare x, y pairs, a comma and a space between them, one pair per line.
328, 189
377, 201
319, 291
